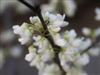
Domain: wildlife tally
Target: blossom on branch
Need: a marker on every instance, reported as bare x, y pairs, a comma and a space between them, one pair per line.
42, 51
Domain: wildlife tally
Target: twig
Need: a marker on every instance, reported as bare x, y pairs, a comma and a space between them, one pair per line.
37, 11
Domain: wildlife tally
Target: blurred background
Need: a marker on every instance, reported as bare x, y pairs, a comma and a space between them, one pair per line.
12, 53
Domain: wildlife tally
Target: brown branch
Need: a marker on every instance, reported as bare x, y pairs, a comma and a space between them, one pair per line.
37, 11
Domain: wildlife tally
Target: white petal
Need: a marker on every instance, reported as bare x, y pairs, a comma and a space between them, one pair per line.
29, 57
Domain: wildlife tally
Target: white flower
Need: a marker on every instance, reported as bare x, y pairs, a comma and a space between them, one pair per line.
63, 61
72, 39
34, 19
47, 56
66, 60
97, 32
83, 60
32, 54
38, 42
44, 48
40, 55
23, 32
32, 57
70, 35
35, 24
97, 11
36, 61
69, 7
49, 7
37, 38
51, 69
59, 41
94, 51
76, 42
29, 57
54, 28
86, 31
56, 20
70, 53
85, 44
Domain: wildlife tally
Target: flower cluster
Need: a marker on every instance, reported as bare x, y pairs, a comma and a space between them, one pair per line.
97, 11
93, 34
68, 6
41, 52
44, 53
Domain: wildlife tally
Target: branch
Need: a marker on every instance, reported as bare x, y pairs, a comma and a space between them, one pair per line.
37, 11
28, 5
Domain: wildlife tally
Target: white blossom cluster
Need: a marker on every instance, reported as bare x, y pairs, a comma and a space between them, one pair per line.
92, 33
97, 11
69, 6
41, 53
